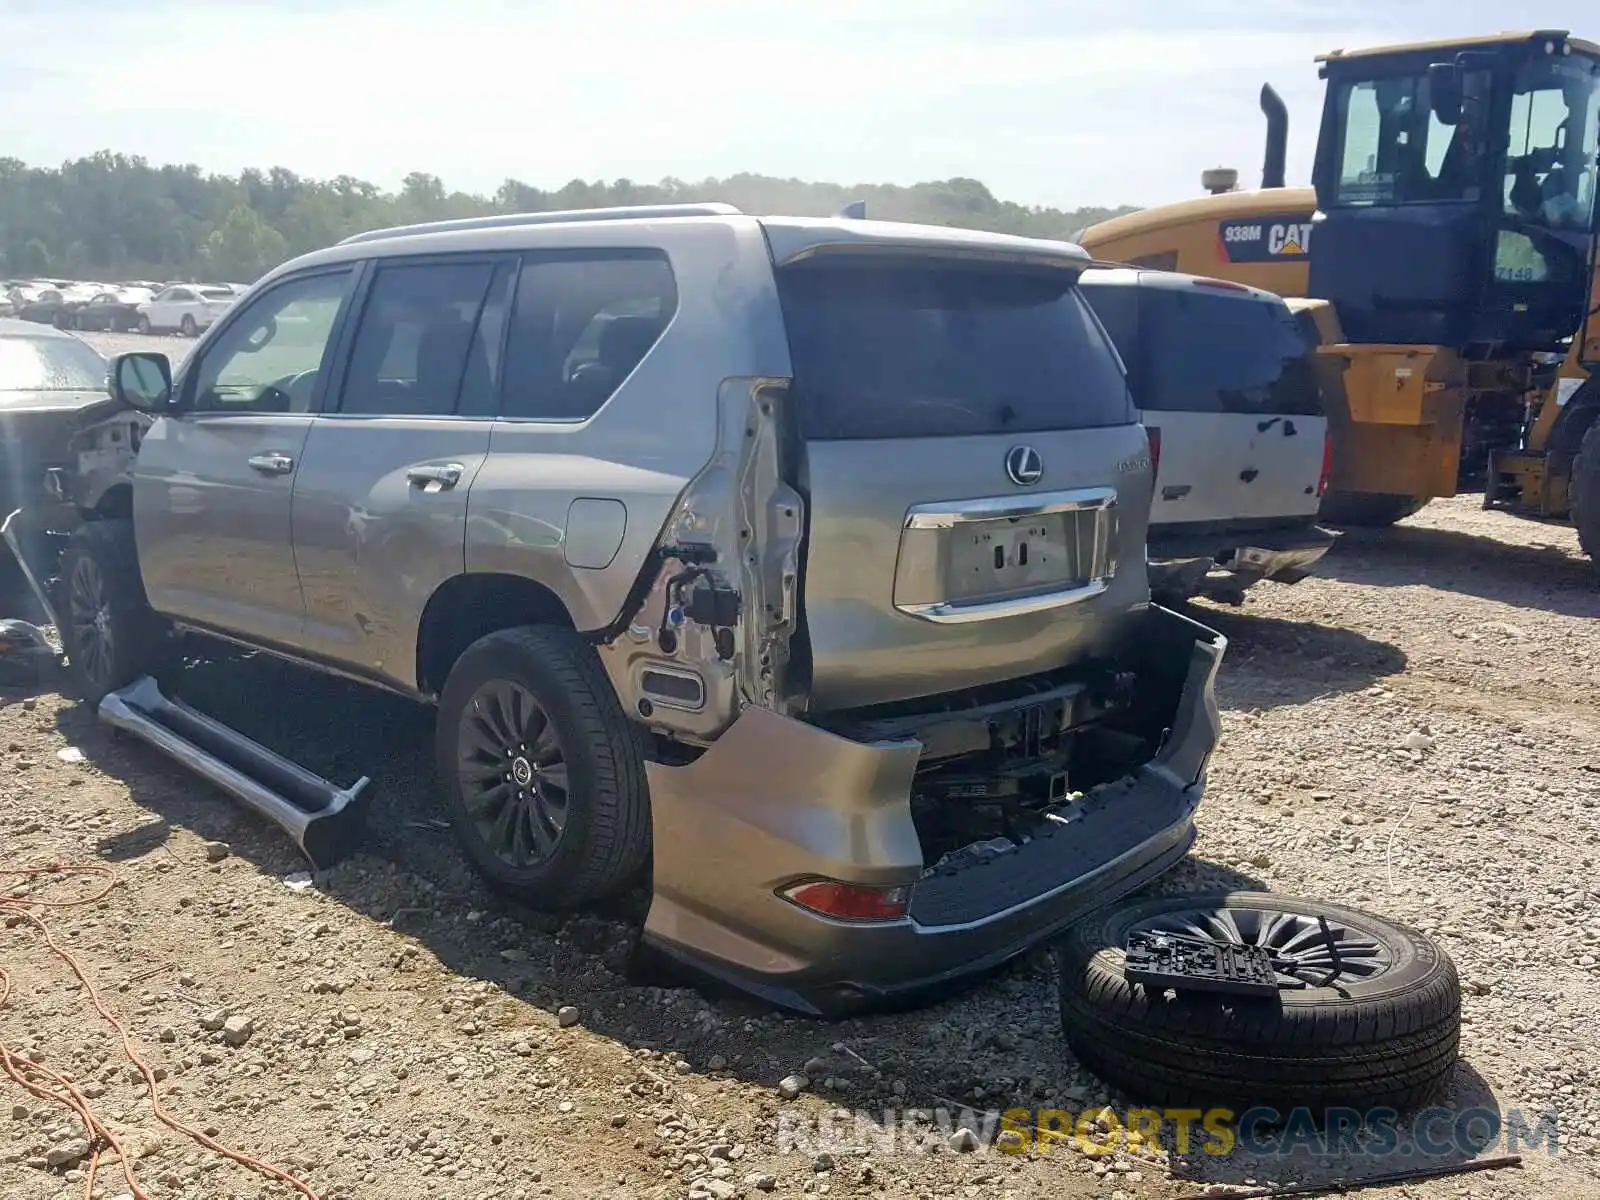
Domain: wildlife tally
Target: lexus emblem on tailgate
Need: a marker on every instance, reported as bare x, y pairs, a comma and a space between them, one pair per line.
1024, 465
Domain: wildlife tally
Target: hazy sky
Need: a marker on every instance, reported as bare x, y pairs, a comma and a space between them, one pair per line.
1057, 102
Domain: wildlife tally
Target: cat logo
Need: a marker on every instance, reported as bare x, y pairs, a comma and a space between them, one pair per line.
1288, 240
1265, 239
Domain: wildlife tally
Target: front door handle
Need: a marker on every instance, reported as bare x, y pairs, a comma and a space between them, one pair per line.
435, 478
271, 464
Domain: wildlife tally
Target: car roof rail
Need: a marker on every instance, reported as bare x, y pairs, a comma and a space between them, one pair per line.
636, 212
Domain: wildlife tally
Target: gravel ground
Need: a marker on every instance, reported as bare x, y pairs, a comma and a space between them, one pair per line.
1414, 731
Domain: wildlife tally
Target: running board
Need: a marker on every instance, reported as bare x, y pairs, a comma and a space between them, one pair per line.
323, 820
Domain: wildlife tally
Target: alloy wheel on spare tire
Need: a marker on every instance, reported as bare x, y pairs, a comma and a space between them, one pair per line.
543, 771
110, 635
1367, 1011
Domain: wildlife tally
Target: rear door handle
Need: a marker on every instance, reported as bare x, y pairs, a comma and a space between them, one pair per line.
436, 478
271, 464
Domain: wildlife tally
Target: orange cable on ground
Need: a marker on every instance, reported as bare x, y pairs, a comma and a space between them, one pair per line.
35, 1077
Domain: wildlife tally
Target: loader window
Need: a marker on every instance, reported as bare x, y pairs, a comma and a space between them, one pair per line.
1551, 143
1393, 150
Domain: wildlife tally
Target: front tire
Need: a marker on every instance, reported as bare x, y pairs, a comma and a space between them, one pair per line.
110, 635
144, 325
542, 770
1371, 509
1375, 1024
1586, 493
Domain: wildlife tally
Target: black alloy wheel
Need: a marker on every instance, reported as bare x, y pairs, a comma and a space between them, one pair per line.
512, 773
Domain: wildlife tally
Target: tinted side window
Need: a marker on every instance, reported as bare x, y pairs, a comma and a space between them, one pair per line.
579, 328
416, 335
268, 357
882, 348
1221, 352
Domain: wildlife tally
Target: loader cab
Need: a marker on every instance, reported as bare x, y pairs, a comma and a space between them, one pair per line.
1456, 192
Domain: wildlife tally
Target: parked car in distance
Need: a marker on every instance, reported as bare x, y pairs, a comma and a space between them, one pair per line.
52, 305
113, 311
949, 726
188, 308
1224, 377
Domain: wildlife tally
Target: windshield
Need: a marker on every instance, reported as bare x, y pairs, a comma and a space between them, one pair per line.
1551, 147
887, 349
49, 364
1394, 150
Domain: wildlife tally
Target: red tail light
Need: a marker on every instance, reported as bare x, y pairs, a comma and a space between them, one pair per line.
1154, 436
849, 901
1327, 464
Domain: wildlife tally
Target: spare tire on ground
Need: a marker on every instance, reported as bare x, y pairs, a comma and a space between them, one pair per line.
1372, 1021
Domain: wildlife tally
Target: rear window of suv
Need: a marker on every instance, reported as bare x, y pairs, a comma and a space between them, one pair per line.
1193, 349
890, 349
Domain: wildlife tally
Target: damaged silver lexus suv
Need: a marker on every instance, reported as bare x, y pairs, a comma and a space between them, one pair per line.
798, 563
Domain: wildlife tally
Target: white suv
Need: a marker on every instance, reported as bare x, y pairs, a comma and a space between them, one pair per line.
187, 308
1224, 376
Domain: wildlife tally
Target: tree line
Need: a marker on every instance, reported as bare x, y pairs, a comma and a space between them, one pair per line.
115, 216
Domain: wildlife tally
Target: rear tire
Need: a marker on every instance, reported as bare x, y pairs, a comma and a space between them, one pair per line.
1384, 1033
187, 326
110, 635
1586, 493
1373, 509
559, 814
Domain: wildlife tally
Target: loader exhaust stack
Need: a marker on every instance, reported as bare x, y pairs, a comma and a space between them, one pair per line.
323, 820
1277, 114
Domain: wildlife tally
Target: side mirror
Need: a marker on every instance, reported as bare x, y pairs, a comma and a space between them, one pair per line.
141, 380
1444, 92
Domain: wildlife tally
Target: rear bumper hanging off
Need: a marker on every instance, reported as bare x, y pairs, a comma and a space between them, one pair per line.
1181, 561
776, 800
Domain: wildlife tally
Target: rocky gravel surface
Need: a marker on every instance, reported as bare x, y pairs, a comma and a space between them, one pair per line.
1415, 731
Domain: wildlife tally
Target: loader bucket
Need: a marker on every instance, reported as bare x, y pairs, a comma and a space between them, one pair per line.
323, 820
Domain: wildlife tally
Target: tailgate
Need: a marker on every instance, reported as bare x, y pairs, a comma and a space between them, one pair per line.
977, 488
1227, 376
1221, 467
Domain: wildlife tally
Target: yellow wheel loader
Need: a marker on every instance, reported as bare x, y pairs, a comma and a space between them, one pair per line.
1444, 256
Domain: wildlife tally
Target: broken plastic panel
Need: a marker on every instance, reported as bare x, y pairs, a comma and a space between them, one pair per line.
1159, 961
323, 820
